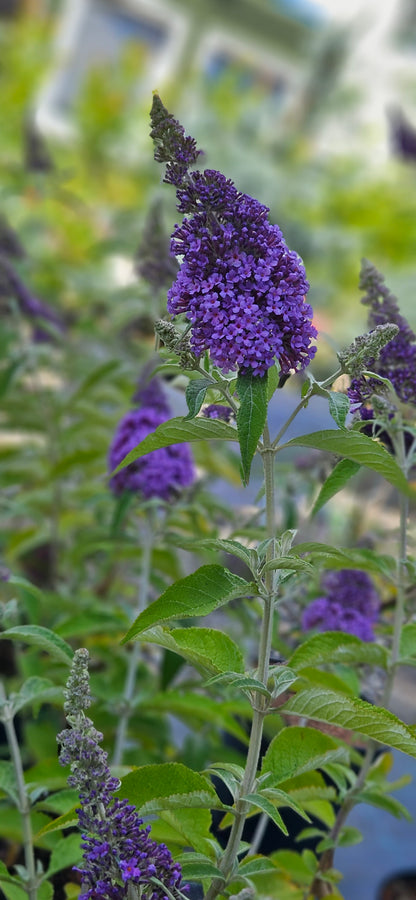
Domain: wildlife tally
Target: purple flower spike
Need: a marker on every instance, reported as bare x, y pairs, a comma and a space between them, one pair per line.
120, 860
162, 473
240, 287
397, 360
351, 604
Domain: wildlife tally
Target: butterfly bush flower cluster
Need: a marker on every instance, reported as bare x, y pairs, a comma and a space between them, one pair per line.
120, 860
163, 473
397, 359
350, 603
240, 287
34, 309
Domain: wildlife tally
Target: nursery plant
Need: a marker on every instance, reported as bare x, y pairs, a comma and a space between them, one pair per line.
296, 721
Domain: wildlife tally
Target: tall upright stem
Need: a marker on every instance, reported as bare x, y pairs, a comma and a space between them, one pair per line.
134, 655
24, 801
259, 701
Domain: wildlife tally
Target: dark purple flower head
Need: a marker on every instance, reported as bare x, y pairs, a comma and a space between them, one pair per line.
162, 473
149, 392
154, 261
172, 146
217, 411
35, 310
326, 615
118, 852
240, 287
351, 604
397, 360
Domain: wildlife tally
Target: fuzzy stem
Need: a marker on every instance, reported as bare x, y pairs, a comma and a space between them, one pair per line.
259, 701
134, 655
24, 802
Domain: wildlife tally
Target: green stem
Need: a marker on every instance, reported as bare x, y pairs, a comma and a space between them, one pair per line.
24, 801
304, 402
259, 701
134, 655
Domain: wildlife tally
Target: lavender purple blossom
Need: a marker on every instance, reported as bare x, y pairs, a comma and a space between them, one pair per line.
397, 360
240, 287
120, 860
163, 472
351, 604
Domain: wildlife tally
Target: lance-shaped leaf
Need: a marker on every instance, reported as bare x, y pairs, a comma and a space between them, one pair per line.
337, 647
339, 407
195, 595
180, 431
224, 545
356, 715
296, 750
359, 448
43, 638
196, 866
206, 648
331, 557
65, 854
195, 709
263, 804
8, 783
408, 644
168, 786
35, 691
251, 417
195, 396
336, 481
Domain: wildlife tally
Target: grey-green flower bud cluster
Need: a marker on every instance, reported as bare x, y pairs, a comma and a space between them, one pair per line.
366, 348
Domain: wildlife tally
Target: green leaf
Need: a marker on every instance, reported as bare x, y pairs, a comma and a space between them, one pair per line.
196, 709
331, 557
35, 691
255, 865
224, 545
339, 407
67, 852
180, 431
244, 683
296, 750
336, 481
167, 786
263, 804
8, 782
67, 820
195, 395
337, 647
6, 878
43, 638
195, 595
359, 448
355, 715
98, 374
196, 866
191, 828
293, 563
408, 642
349, 836
273, 376
251, 417
206, 648
382, 801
